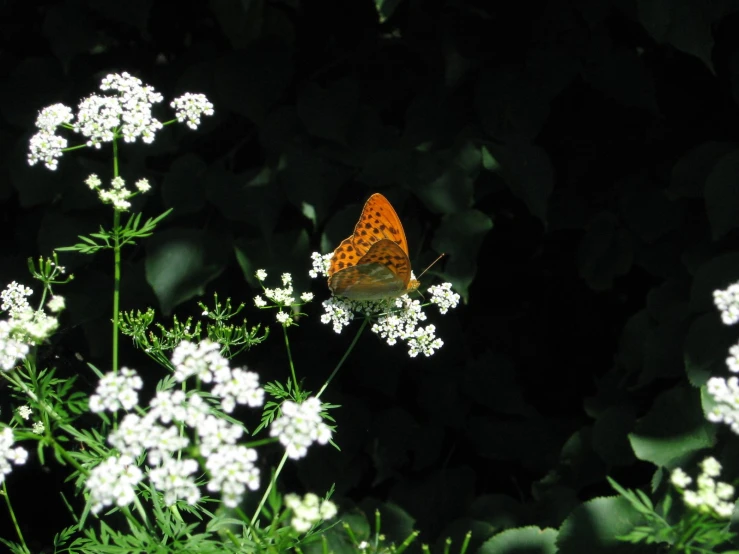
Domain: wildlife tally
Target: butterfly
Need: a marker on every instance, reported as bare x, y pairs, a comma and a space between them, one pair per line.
373, 264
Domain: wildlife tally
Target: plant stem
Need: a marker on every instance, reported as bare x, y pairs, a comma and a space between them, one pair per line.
12, 516
269, 489
290, 358
343, 358
117, 266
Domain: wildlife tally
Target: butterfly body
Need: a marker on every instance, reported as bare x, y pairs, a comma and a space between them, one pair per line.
373, 264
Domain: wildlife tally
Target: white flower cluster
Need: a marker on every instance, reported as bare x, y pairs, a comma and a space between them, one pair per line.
308, 511
8, 454
116, 391
396, 319
14, 300
725, 394
160, 436
126, 114
46, 146
443, 296
189, 107
339, 312
117, 195
727, 301
280, 297
321, 263
299, 426
231, 385
24, 326
711, 496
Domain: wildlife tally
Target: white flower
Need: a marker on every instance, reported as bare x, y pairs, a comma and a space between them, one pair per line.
203, 360
306, 296
261, 274
11, 349
116, 391
8, 455
733, 360
100, 118
14, 299
113, 482
117, 194
711, 497
232, 471
53, 116
321, 263
284, 318
308, 511
93, 181
259, 302
56, 304
299, 426
241, 388
338, 311
680, 479
143, 185
725, 393
47, 148
38, 428
189, 107
727, 301
711, 467
25, 412
215, 432
444, 297
174, 478
424, 341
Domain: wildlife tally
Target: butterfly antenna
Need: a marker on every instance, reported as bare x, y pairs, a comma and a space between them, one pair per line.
431, 265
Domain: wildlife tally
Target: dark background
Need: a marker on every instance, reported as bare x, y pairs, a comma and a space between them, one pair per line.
577, 162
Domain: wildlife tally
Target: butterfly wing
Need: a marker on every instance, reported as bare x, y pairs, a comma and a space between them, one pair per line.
377, 222
383, 272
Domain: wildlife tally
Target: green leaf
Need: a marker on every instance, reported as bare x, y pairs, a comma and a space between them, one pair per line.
524, 540
673, 430
328, 112
716, 273
722, 195
181, 262
445, 180
510, 106
528, 173
386, 8
595, 525
706, 348
185, 184
685, 24
605, 252
460, 235
621, 73
610, 435
690, 172
251, 80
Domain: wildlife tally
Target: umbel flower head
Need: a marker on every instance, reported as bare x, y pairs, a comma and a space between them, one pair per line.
395, 319
23, 327
125, 113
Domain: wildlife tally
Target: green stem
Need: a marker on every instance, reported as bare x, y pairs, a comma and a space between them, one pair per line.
284, 456
12, 516
290, 358
269, 489
343, 358
117, 266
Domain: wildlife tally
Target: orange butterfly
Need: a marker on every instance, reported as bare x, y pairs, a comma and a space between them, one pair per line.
373, 264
